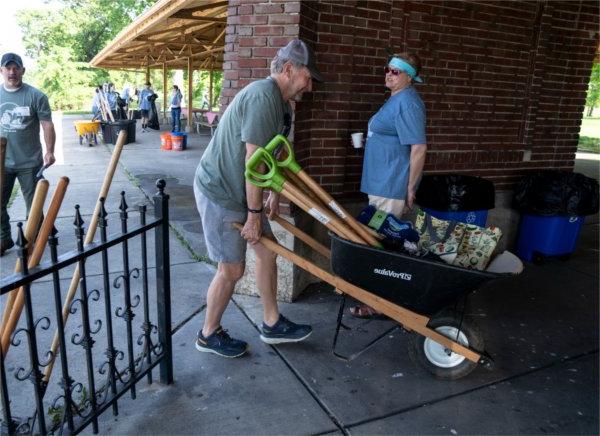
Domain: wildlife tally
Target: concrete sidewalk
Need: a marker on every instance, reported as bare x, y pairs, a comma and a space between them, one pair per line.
541, 328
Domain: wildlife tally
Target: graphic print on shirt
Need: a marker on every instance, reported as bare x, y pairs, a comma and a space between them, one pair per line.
13, 117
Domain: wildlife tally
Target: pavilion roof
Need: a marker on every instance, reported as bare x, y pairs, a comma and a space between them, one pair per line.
169, 33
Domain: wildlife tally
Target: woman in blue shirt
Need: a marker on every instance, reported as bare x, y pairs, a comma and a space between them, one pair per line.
175, 101
395, 146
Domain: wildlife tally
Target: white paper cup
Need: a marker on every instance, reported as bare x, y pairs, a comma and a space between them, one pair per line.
357, 140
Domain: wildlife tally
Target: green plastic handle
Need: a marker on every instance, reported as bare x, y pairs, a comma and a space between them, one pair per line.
272, 179
290, 161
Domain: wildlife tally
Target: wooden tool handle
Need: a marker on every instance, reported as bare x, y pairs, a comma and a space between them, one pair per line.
34, 259
314, 244
33, 223
338, 209
328, 219
89, 238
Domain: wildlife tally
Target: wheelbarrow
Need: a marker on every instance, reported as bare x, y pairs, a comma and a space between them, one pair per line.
416, 293
87, 130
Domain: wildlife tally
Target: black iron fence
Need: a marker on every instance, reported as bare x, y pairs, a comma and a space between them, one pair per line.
105, 356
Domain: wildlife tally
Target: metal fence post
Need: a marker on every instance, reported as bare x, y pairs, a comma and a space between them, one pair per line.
163, 282
7, 426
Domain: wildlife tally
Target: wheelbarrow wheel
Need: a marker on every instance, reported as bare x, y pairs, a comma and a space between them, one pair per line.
440, 361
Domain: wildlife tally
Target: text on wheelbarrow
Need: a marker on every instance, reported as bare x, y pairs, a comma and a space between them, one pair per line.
387, 272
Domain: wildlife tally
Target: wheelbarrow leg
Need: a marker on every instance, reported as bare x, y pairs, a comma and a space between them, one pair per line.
341, 325
339, 322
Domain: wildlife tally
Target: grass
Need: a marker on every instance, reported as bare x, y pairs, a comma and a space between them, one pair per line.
13, 195
77, 112
136, 182
589, 145
589, 139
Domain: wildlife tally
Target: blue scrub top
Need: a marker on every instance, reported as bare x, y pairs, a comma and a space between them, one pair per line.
392, 130
144, 94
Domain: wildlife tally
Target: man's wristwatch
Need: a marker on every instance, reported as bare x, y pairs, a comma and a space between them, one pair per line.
255, 210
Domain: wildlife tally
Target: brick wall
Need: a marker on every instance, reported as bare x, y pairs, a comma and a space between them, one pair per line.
254, 32
505, 81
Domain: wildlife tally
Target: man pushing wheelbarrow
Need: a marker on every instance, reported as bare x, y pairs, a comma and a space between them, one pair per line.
257, 113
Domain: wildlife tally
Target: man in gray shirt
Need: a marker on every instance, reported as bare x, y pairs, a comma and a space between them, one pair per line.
257, 113
22, 109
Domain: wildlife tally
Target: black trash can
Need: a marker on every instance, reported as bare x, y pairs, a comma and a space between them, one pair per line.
553, 206
110, 131
454, 197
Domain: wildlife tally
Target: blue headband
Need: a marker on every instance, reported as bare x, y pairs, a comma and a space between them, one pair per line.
406, 67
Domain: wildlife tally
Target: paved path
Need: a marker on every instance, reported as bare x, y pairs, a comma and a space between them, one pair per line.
541, 328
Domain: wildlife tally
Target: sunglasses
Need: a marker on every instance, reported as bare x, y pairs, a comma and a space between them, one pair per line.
392, 71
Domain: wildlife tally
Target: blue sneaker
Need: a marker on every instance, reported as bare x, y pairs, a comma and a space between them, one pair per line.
283, 331
219, 342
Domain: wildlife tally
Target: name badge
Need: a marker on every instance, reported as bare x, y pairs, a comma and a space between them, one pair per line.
22, 111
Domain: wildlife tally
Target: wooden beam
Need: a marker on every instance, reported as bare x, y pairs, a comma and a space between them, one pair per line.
205, 7
184, 15
210, 86
194, 56
143, 42
190, 94
148, 19
164, 91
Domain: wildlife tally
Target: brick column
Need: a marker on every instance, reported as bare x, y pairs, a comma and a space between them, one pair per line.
254, 33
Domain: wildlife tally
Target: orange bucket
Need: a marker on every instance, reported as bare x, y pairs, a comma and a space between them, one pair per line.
165, 141
177, 141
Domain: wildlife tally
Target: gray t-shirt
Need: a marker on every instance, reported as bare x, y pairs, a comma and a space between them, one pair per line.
255, 115
20, 114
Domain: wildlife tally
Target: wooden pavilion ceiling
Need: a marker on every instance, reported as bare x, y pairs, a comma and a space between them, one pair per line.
169, 33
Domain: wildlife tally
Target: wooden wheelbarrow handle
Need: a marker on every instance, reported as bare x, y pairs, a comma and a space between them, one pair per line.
407, 318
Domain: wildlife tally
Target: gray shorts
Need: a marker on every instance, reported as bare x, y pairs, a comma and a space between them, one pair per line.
223, 241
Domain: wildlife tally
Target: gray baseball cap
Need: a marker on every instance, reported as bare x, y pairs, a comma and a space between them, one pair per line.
300, 52
7, 58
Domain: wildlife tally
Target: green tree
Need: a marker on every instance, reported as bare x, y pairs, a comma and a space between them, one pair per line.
55, 71
64, 40
85, 26
593, 93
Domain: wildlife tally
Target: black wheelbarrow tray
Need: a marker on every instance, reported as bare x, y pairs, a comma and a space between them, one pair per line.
417, 293
422, 295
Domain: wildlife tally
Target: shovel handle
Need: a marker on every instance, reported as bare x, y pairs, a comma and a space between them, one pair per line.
290, 161
272, 179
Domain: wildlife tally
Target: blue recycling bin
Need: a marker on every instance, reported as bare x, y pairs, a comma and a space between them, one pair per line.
553, 205
548, 235
477, 217
456, 197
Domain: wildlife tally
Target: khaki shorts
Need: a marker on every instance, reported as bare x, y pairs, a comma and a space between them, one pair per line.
223, 241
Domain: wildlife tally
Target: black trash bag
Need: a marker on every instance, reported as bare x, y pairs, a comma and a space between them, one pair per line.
153, 119
557, 193
455, 193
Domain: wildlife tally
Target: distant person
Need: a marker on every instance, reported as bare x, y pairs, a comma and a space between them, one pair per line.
175, 100
112, 97
126, 95
22, 109
96, 111
145, 105
205, 103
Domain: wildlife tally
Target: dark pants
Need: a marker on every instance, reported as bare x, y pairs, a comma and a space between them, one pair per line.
28, 182
176, 119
